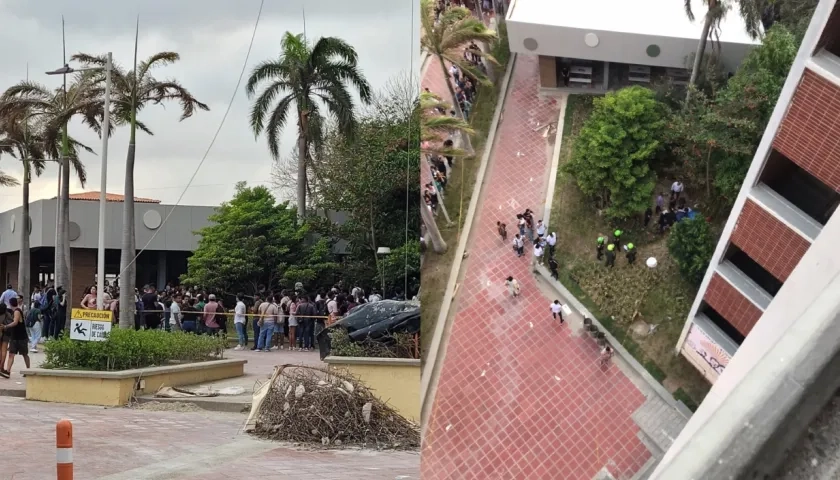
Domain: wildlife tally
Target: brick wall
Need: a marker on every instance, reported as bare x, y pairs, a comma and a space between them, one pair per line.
732, 305
83, 273
810, 132
768, 241
548, 72
11, 270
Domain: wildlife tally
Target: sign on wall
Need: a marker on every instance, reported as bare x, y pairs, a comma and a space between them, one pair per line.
90, 325
707, 355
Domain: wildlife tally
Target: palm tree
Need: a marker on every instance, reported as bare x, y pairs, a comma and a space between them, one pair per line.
445, 40
308, 77
52, 110
433, 126
25, 140
751, 12
131, 92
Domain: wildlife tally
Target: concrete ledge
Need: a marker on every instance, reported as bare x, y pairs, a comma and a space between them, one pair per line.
393, 362
119, 387
395, 381
619, 349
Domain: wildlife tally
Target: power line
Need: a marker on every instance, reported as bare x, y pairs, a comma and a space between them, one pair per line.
212, 142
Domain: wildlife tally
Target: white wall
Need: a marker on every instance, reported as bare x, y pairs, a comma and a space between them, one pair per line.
619, 47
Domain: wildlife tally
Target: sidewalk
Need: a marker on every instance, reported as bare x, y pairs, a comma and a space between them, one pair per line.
519, 396
130, 444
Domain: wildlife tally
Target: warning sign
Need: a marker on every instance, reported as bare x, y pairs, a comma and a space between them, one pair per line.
90, 325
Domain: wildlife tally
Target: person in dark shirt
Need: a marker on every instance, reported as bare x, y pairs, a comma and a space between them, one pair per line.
149, 300
18, 338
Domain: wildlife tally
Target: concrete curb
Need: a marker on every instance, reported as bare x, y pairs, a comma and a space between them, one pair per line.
229, 406
555, 162
619, 348
12, 392
431, 365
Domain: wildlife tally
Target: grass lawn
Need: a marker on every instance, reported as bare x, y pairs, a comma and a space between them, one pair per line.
459, 190
622, 296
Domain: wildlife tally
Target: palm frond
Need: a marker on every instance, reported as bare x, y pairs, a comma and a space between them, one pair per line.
276, 122
79, 168
7, 180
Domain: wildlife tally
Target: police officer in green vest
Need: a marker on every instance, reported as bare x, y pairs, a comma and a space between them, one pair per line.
630, 253
610, 255
617, 238
599, 249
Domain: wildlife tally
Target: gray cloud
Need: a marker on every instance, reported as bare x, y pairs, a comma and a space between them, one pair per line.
212, 37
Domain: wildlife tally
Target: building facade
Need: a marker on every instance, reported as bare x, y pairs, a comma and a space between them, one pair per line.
589, 48
790, 194
166, 243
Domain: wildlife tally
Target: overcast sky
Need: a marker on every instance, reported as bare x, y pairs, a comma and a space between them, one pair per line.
212, 38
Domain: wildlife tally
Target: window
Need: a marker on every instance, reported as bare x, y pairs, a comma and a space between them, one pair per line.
753, 270
803, 190
831, 33
721, 323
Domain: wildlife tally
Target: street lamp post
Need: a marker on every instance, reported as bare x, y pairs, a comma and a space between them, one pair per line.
103, 180
382, 251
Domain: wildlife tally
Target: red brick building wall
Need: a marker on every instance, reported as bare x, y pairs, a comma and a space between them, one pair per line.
810, 132
83, 271
732, 305
768, 241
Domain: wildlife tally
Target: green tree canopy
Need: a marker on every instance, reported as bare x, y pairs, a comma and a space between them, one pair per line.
373, 177
612, 156
692, 244
255, 241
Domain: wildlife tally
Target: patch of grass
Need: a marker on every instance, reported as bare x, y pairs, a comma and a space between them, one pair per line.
459, 192
621, 296
686, 399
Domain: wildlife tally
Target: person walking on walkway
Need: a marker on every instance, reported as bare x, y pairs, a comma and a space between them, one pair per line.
520, 222
540, 229
538, 252
599, 248
610, 255
552, 265
518, 245
513, 286
502, 229
557, 311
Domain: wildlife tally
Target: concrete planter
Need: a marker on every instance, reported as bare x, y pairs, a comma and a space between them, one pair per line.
394, 380
117, 388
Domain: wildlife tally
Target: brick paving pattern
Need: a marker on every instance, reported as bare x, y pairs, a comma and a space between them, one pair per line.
109, 441
519, 397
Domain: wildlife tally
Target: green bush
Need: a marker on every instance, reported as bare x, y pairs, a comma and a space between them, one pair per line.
692, 244
396, 345
613, 154
127, 348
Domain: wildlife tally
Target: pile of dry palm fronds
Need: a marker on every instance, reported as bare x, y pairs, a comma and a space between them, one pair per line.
331, 408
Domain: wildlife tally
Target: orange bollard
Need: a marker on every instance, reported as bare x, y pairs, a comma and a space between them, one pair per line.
64, 450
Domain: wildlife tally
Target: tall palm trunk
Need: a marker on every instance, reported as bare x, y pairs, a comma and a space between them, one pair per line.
465, 137
303, 125
62, 255
24, 264
438, 244
701, 51
128, 267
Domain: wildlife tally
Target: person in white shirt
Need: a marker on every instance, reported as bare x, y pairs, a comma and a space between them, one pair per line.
240, 322
676, 190
332, 309
518, 245
374, 297
540, 229
557, 311
175, 313
538, 253
513, 286
551, 241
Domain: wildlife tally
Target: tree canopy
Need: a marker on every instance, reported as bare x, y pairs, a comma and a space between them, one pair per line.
613, 154
256, 241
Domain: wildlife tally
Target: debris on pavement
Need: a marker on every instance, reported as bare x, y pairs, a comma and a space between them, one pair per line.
316, 406
169, 407
176, 392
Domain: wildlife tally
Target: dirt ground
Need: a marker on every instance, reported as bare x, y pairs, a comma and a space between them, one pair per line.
626, 294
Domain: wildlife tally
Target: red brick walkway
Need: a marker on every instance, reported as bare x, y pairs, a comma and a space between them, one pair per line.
519, 397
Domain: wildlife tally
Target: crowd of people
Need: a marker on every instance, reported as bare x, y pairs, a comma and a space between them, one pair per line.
282, 319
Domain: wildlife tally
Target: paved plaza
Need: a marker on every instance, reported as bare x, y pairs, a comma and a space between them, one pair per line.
519, 396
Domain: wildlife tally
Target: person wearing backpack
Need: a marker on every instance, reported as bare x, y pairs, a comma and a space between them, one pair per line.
34, 324
221, 317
